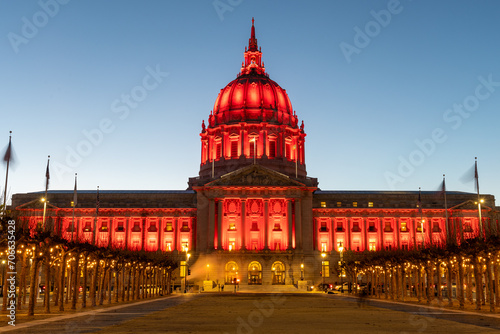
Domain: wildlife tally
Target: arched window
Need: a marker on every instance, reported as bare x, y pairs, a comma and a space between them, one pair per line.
278, 271
254, 273
231, 273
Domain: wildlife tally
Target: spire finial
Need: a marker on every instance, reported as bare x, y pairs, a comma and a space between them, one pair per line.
252, 43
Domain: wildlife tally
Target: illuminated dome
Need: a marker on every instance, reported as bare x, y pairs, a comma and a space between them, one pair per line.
253, 97
252, 122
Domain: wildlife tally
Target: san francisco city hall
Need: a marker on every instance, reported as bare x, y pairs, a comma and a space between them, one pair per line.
253, 216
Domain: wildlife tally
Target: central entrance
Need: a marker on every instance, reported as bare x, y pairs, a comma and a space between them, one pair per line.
254, 273
278, 269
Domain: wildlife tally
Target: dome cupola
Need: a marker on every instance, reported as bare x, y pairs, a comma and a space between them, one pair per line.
252, 122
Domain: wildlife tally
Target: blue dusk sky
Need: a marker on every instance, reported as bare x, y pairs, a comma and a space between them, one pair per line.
393, 94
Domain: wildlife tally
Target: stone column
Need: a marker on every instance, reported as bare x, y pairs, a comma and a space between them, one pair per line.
381, 233
127, 232
348, 233
175, 234
243, 224
266, 223
290, 223
398, 232
365, 233
211, 224
219, 225
298, 223
143, 237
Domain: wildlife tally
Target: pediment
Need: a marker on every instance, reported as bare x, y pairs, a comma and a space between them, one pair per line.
35, 204
255, 175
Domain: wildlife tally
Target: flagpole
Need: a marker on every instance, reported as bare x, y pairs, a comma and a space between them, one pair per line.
74, 205
96, 214
7, 158
421, 216
476, 176
47, 177
446, 211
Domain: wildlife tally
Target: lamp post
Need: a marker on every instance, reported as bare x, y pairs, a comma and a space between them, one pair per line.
44, 200
208, 272
186, 282
341, 262
323, 274
301, 271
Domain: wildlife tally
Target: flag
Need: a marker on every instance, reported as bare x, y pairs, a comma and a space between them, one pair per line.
47, 176
8, 153
476, 177
74, 194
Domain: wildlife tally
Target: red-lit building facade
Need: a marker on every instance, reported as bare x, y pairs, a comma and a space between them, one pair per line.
252, 214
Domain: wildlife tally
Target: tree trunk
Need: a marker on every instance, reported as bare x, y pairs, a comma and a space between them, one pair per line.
489, 285
102, 282
128, 284
460, 282
477, 283
62, 280
33, 286
70, 286
47, 281
428, 272
76, 281
55, 295
496, 284
449, 273
22, 281
110, 281
438, 282
93, 283
468, 292
85, 273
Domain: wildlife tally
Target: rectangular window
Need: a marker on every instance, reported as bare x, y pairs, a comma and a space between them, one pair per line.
435, 227
277, 227
323, 247
232, 226
354, 204
355, 226
323, 227
168, 247
272, 149
420, 226
168, 227
255, 226
185, 246
388, 227
371, 227
185, 226
152, 227
234, 149
339, 204
370, 204
404, 227
120, 227
340, 227
277, 246
372, 246
323, 204
255, 244
287, 151
218, 150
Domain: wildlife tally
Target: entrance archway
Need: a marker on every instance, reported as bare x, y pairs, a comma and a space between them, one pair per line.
254, 273
278, 270
231, 272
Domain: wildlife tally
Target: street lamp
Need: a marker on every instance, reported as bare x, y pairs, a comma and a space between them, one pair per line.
301, 271
208, 271
44, 211
341, 262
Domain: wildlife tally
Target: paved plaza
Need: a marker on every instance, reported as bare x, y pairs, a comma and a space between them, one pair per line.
266, 313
